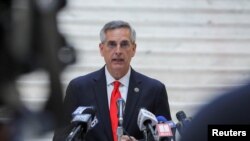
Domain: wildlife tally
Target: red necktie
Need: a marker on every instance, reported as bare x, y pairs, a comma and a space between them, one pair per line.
113, 108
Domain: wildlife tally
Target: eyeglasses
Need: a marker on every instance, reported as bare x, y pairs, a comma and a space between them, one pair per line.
123, 44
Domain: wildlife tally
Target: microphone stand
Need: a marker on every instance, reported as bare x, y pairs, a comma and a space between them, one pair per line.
151, 136
119, 129
119, 132
145, 135
74, 133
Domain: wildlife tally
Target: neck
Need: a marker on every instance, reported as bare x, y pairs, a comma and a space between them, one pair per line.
118, 74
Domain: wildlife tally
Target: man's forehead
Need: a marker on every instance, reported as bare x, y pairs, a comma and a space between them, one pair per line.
118, 35
123, 40
119, 28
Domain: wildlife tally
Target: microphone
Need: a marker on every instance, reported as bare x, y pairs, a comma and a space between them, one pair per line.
183, 121
169, 131
146, 120
120, 106
83, 110
82, 121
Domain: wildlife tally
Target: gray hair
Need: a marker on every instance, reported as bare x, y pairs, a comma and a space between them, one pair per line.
114, 25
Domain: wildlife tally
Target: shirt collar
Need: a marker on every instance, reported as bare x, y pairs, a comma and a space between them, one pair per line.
124, 80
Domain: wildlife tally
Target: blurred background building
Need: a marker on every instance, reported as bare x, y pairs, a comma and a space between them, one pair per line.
197, 48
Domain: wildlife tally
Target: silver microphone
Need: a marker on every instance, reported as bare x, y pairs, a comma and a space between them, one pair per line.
120, 106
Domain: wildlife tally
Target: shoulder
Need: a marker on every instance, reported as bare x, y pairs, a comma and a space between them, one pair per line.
226, 109
147, 80
87, 78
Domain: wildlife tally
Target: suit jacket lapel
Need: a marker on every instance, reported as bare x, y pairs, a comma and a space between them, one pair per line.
102, 102
134, 91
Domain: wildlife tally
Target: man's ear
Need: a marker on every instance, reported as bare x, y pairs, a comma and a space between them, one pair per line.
134, 49
101, 48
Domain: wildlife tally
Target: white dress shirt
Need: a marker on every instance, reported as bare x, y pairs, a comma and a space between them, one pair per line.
123, 87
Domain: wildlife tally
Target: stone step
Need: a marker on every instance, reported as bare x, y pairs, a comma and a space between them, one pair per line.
168, 59
189, 45
240, 5
181, 46
165, 32
137, 16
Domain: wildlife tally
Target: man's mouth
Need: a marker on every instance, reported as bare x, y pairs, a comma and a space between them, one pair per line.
118, 60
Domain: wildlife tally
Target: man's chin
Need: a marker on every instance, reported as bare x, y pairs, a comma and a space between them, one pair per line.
118, 71
118, 67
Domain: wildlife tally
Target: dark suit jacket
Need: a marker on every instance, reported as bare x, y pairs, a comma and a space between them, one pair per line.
91, 90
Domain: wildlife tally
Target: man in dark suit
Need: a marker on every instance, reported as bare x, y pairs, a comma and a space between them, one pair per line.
139, 91
232, 108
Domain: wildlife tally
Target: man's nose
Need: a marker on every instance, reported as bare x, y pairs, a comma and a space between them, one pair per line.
118, 49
